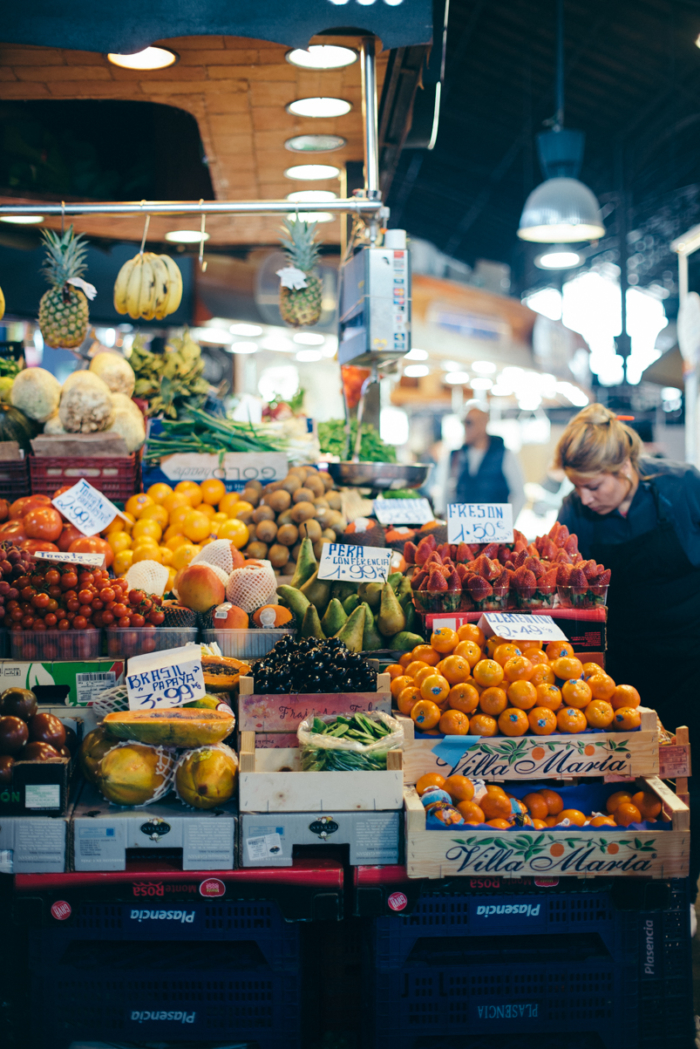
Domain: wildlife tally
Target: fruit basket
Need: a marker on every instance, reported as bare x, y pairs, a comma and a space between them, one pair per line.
245, 644
131, 641
54, 644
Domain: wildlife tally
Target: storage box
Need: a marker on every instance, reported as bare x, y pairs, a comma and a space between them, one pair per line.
14, 479
245, 644
132, 641
55, 644
269, 840
33, 844
534, 757
71, 683
284, 713
117, 477
40, 788
102, 834
608, 851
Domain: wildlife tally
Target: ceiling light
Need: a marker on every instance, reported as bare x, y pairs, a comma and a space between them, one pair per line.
277, 343
309, 338
559, 211
451, 366
456, 378
149, 58
308, 356
214, 336
558, 260
307, 172
22, 220
322, 56
484, 367
481, 384
500, 391
319, 107
315, 143
314, 196
415, 371
185, 236
245, 329
244, 347
416, 355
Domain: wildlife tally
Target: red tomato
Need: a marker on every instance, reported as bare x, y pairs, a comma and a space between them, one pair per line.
43, 523
22, 506
14, 530
38, 544
92, 544
69, 534
60, 491
4, 509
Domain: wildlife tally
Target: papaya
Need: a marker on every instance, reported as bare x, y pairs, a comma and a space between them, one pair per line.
93, 749
206, 777
131, 775
174, 727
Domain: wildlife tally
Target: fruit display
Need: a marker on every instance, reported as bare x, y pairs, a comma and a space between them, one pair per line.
458, 800
170, 383
174, 727
148, 286
63, 310
356, 743
301, 290
29, 734
458, 577
312, 665
461, 684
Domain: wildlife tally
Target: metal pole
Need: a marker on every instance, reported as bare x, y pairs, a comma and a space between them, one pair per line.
351, 205
369, 117
690, 377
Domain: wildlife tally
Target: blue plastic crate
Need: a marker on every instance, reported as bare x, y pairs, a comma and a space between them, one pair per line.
258, 921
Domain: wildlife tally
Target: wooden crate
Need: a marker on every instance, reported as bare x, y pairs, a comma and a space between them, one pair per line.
284, 713
467, 851
535, 757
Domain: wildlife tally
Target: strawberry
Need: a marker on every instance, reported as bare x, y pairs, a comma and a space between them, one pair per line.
453, 580
571, 545
561, 536
547, 548
563, 573
591, 570
433, 558
490, 550
436, 581
409, 553
479, 588
525, 581
462, 571
602, 581
425, 548
561, 558
520, 558
578, 581
417, 579
548, 583
464, 553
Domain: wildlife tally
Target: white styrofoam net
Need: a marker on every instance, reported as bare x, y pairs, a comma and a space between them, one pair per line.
219, 553
110, 700
149, 576
167, 760
252, 586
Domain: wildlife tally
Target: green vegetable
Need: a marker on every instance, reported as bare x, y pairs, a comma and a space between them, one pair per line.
172, 381
401, 493
198, 431
359, 728
333, 439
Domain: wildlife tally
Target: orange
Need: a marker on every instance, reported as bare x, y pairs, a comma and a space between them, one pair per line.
183, 555
537, 806
460, 788
444, 640
539, 824
427, 654
536, 656
407, 699
496, 806
430, 779
191, 490
520, 805
166, 556
463, 697
212, 491
553, 800
405, 659
147, 529
601, 685
570, 719
616, 799
422, 674
123, 562
493, 643
548, 696
543, 675
454, 723
236, 531
599, 714
241, 507
172, 576
493, 701
138, 503
146, 553
455, 668
557, 649
155, 513
228, 502
573, 815
513, 722
576, 693
175, 499
603, 821
567, 667
627, 813
499, 824
623, 696
218, 516
115, 525
471, 632
647, 803
589, 669
119, 541
176, 541
426, 714
626, 718
488, 672
543, 721
522, 694
205, 508
394, 669
399, 684
470, 651
435, 688
472, 812
158, 491
413, 667
178, 514
483, 725
551, 821
505, 652
518, 669
536, 646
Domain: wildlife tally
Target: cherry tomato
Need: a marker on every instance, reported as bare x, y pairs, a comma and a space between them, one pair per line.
85, 596
86, 578
136, 597
107, 594
41, 600
55, 592
70, 616
107, 618
136, 620
97, 605
43, 523
31, 545
79, 623
63, 624
27, 593
52, 605
85, 611
156, 617
123, 621
53, 576
69, 580
39, 624
22, 581
120, 610
27, 622
73, 605
50, 619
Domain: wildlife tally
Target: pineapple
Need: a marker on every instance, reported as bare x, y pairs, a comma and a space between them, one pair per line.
300, 289
63, 310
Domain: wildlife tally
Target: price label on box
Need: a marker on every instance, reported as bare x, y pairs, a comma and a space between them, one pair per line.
92, 560
86, 508
160, 680
479, 523
403, 511
354, 564
516, 627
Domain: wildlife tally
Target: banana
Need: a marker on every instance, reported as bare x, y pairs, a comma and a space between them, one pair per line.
147, 302
121, 284
2, 304
174, 285
161, 276
133, 291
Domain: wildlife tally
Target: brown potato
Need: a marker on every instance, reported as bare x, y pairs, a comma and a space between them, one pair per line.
314, 484
251, 530
251, 495
303, 511
263, 513
266, 531
310, 530
297, 471
279, 500
278, 555
256, 551
287, 534
334, 501
303, 495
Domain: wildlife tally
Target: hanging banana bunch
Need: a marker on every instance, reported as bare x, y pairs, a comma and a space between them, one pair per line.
148, 286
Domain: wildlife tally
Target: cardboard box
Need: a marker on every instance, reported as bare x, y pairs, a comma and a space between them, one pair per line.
33, 844
74, 684
101, 833
268, 840
585, 628
41, 788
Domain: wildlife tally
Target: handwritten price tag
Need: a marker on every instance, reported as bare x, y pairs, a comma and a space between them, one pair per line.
354, 564
516, 627
165, 679
403, 511
480, 523
93, 560
86, 508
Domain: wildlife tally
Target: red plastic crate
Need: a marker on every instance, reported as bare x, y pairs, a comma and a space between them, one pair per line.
114, 477
14, 479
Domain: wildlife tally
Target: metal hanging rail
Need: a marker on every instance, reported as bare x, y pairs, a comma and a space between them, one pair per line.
351, 205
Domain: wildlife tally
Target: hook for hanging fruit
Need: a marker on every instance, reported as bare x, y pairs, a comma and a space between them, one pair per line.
63, 216
145, 229
202, 263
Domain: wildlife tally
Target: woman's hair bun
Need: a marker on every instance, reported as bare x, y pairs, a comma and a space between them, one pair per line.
596, 441
596, 415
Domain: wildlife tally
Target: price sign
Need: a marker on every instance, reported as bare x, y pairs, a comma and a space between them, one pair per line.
86, 508
160, 680
403, 511
516, 627
93, 560
480, 523
354, 564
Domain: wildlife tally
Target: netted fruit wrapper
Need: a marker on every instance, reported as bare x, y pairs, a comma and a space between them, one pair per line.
164, 770
149, 576
348, 742
109, 701
252, 586
205, 777
219, 554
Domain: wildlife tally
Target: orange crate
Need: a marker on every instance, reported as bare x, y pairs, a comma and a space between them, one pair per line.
114, 477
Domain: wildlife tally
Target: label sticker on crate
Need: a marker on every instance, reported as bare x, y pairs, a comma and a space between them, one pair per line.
234, 466
89, 686
354, 564
165, 679
403, 511
42, 796
479, 523
264, 846
86, 508
516, 627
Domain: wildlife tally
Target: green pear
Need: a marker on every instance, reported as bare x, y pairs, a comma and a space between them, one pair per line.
371, 593
371, 640
333, 618
306, 564
318, 591
311, 626
352, 630
294, 600
350, 604
391, 619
